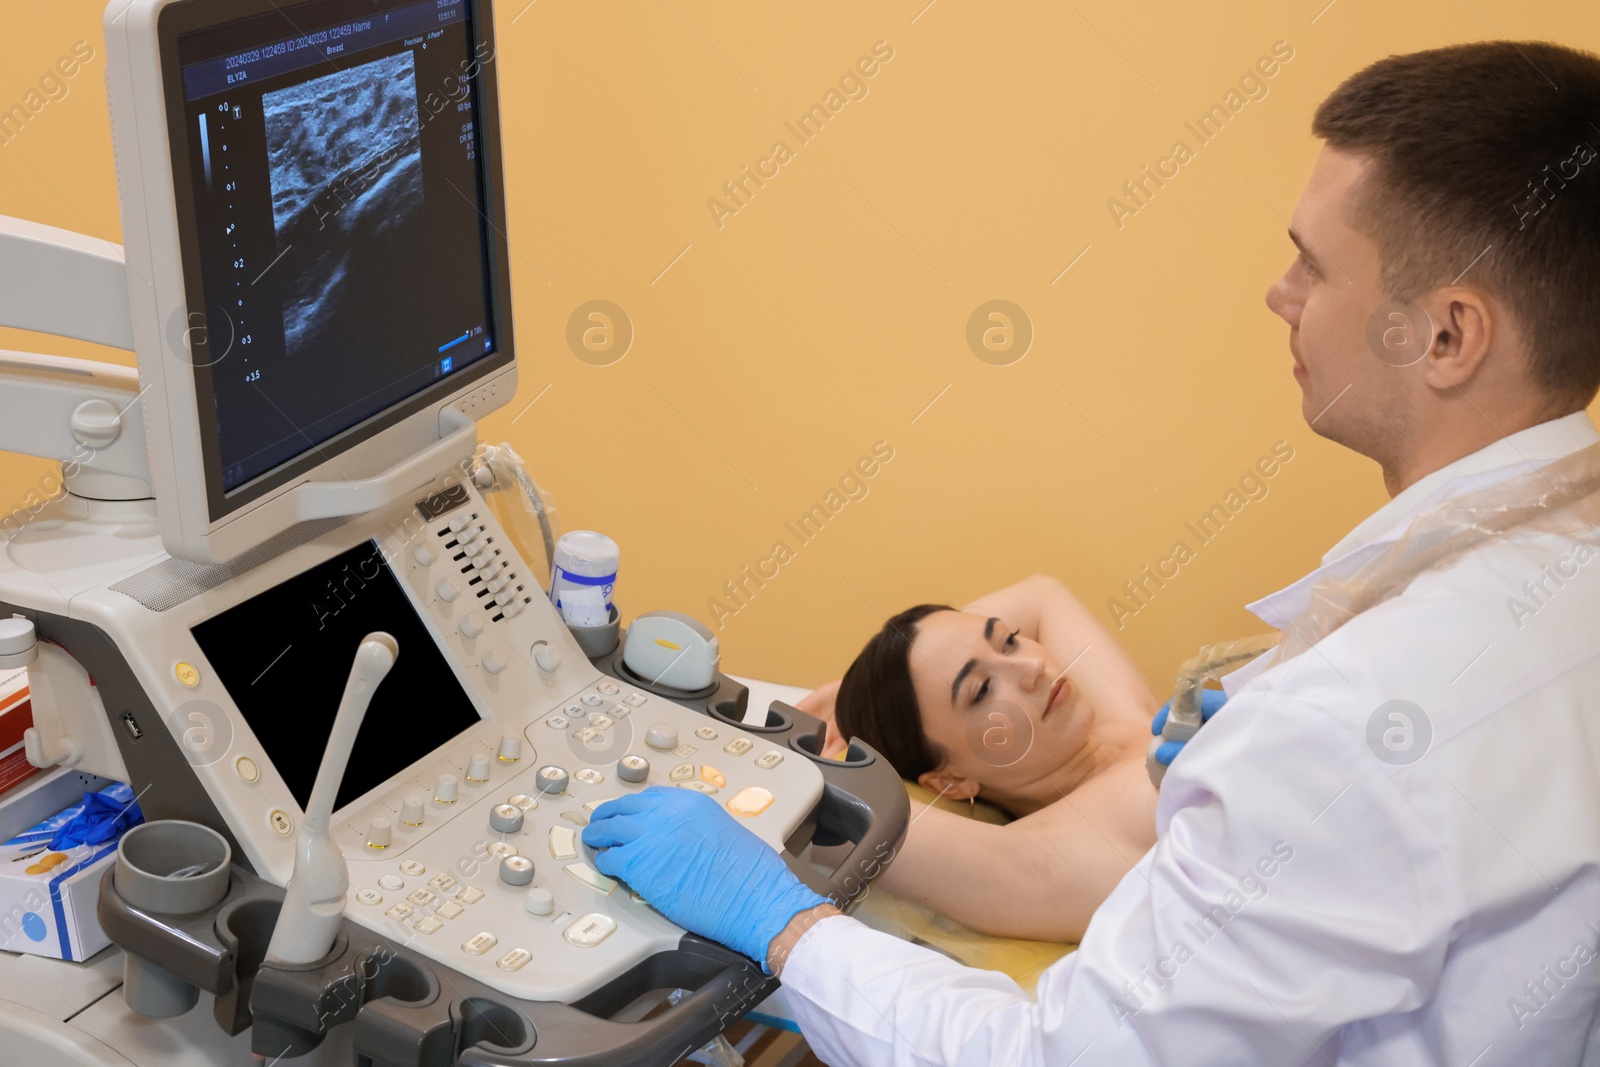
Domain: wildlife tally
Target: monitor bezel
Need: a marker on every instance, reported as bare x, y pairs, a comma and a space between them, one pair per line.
190, 16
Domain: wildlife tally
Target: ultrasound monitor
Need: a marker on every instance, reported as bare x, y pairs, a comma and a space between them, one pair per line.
324, 233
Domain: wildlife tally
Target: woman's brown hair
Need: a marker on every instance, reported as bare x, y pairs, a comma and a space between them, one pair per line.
877, 703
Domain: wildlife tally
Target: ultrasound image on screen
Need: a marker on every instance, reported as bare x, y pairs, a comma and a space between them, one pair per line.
337, 195
345, 157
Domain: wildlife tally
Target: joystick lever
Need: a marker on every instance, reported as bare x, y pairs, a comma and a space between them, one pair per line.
313, 901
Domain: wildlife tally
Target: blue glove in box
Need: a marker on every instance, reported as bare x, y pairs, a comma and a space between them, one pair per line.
50, 876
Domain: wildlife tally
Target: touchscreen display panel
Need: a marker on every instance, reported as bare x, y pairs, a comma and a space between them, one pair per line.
284, 656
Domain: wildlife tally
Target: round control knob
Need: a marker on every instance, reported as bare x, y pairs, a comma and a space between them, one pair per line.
510, 748
471, 627
662, 736
546, 656
380, 833
446, 591
506, 819
633, 768
516, 870
494, 662
552, 779
445, 791
411, 810
478, 767
539, 902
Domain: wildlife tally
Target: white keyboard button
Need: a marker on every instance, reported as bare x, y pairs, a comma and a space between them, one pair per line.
514, 960
563, 843
589, 930
591, 877
478, 944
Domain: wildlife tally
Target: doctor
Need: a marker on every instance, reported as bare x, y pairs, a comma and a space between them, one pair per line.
1386, 848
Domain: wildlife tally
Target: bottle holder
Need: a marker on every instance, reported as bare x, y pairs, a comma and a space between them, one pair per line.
408, 1010
599, 641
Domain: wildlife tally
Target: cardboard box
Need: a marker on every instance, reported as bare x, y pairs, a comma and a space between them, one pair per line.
48, 897
16, 715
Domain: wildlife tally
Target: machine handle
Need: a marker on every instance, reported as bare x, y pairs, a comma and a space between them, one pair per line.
864, 802
735, 986
336, 499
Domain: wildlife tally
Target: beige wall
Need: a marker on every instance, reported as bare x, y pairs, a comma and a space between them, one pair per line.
786, 339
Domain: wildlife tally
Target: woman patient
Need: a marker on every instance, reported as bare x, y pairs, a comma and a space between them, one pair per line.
1023, 700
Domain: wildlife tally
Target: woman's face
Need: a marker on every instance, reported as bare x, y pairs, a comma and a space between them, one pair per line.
1001, 708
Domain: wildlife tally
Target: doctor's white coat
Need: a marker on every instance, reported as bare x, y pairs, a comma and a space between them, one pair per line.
1385, 850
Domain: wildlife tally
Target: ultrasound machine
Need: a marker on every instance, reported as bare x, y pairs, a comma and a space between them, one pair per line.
278, 525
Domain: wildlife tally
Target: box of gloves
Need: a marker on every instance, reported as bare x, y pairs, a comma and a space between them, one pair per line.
50, 876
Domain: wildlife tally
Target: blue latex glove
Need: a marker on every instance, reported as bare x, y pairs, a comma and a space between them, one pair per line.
697, 866
1211, 701
101, 820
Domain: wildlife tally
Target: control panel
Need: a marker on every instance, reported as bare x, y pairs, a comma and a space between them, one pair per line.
509, 893
473, 774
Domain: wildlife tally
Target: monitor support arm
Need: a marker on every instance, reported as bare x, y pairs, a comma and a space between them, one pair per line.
78, 412
62, 283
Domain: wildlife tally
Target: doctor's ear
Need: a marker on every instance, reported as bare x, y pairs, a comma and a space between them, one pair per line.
1465, 323
949, 786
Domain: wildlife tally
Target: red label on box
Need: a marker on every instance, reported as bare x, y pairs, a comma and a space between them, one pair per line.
16, 717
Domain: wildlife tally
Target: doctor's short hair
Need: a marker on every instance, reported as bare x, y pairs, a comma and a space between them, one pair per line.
877, 702
1489, 150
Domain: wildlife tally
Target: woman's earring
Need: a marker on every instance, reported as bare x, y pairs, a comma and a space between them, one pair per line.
972, 805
